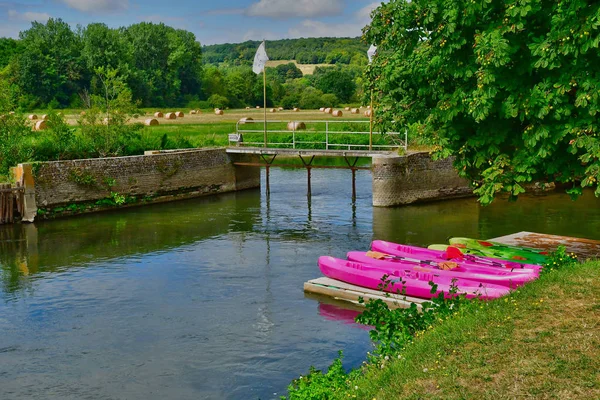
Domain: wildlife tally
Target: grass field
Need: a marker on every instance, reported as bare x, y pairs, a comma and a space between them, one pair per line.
542, 342
207, 129
307, 69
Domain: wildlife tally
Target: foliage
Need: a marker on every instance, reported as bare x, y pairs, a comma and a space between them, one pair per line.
337, 82
559, 259
14, 134
510, 88
321, 386
304, 51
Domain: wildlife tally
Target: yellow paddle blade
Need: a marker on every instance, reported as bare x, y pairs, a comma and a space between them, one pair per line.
377, 255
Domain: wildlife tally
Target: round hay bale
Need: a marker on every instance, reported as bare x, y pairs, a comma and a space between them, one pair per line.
170, 116
280, 109
347, 109
40, 125
322, 109
193, 112
368, 113
272, 110
179, 114
158, 114
355, 111
246, 120
219, 112
258, 107
247, 108
33, 117
296, 126
296, 109
337, 113
45, 117
328, 110
151, 122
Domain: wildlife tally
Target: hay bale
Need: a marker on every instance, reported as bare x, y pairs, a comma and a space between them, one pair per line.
33, 117
193, 112
151, 122
347, 109
355, 111
246, 120
280, 109
368, 113
40, 125
368, 107
328, 110
82, 113
219, 112
158, 114
296, 126
170, 116
337, 113
272, 110
322, 109
296, 109
45, 117
179, 114
258, 107
247, 108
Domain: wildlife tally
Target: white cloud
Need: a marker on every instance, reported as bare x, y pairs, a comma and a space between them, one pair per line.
364, 14
296, 8
97, 5
258, 34
28, 16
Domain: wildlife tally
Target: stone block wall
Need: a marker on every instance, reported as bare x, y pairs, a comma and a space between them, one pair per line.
400, 180
156, 176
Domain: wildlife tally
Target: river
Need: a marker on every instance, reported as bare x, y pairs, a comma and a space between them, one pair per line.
203, 299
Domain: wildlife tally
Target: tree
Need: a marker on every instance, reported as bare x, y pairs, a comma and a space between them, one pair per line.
335, 81
49, 65
510, 88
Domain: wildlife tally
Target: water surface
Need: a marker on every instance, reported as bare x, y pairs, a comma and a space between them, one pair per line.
202, 299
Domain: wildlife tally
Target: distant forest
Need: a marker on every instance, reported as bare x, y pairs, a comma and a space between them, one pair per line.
52, 65
304, 51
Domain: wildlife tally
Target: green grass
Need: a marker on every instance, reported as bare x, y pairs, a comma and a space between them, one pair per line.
541, 342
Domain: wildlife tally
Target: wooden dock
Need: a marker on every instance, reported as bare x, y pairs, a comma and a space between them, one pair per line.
583, 248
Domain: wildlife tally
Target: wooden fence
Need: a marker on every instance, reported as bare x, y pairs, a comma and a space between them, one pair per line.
11, 203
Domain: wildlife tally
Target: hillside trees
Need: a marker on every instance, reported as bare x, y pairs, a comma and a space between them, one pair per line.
510, 88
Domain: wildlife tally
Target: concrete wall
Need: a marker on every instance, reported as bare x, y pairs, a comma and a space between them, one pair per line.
157, 177
400, 180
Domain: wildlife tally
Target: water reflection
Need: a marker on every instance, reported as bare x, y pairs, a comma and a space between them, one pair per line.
203, 298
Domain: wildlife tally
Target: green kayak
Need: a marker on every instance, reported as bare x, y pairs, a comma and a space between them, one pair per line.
499, 250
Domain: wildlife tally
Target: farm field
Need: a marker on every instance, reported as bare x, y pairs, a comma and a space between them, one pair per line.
307, 69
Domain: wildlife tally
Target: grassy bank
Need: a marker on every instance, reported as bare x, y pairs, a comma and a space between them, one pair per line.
541, 342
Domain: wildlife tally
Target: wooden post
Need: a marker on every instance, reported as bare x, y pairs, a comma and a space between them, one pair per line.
267, 179
309, 192
353, 185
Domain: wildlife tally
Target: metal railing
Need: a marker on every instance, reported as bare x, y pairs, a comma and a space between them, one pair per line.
301, 138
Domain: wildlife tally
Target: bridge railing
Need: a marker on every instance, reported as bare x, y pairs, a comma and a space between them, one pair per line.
328, 135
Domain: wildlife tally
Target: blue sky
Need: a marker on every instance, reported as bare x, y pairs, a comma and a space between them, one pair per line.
225, 21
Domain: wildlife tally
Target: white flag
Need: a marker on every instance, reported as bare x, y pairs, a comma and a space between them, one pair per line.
371, 53
260, 59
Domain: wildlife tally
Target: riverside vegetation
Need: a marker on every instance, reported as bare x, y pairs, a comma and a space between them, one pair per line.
539, 341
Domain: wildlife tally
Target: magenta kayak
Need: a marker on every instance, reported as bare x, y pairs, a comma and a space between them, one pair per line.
456, 255
496, 276
410, 283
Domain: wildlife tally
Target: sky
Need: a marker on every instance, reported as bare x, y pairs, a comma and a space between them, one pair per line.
224, 21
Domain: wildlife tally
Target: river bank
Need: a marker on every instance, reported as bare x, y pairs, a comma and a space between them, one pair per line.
541, 342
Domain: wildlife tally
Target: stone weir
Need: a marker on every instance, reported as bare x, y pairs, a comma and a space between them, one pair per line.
401, 180
72, 187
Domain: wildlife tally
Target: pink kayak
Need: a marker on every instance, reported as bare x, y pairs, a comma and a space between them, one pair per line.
444, 268
452, 254
410, 283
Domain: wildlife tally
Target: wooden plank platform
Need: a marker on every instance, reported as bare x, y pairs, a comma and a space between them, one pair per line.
583, 248
347, 292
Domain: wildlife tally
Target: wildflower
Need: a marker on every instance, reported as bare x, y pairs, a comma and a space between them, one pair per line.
355, 387
386, 358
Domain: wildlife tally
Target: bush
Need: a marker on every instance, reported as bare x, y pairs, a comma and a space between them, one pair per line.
218, 101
